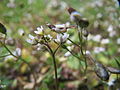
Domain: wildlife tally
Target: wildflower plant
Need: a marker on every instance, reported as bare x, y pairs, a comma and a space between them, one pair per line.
62, 39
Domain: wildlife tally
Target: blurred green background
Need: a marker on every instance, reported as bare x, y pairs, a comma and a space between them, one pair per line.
27, 15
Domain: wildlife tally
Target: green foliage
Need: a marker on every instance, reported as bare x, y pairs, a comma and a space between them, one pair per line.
2, 29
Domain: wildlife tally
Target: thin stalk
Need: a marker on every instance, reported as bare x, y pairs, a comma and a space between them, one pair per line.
22, 60
54, 62
4, 55
81, 49
55, 68
85, 56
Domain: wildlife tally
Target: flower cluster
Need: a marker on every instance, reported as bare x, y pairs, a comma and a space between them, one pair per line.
41, 38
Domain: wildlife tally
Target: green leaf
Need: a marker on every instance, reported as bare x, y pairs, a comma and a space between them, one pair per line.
3, 29
118, 63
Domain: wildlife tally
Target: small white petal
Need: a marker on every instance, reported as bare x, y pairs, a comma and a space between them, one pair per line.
18, 52
67, 54
118, 41
105, 41
31, 37
96, 38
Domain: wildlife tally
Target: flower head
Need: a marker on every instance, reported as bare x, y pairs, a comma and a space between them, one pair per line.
31, 40
39, 31
59, 28
61, 38
105, 41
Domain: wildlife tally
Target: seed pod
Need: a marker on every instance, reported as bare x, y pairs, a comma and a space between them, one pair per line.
75, 16
83, 23
101, 71
113, 70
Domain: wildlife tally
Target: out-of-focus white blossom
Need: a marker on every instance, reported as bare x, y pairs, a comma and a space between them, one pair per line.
62, 38
118, 41
39, 31
112, 33
31, 39
11, 4
67, 54
96, 38
105, 41
70, 47
18, 52
10, 57
39, 46
68, 42
111, 82
118, 50
30, 1
54, 3
97, 3
88, 52
110, 28
99, 15
99, 49
90, 37
49, 36
21, 32
67, 24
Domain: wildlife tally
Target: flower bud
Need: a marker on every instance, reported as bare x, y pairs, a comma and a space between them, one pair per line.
101, 71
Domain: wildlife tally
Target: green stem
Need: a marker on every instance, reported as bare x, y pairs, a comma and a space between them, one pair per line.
81, 49
4, 55
55, 68
22, 60
54, 62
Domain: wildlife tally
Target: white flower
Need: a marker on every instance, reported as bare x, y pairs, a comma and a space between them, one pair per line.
68, 42
67, 54
88, 52
111, 82
99, 49
118, 50
96, 38
90, 37
17, 52
112, 33
118, 41
48, 36
39, 30
110, 28
99, 15
67, 24
62, 38
31, 39
70, 47
39, 46
105, 41
60, 28
21, 32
